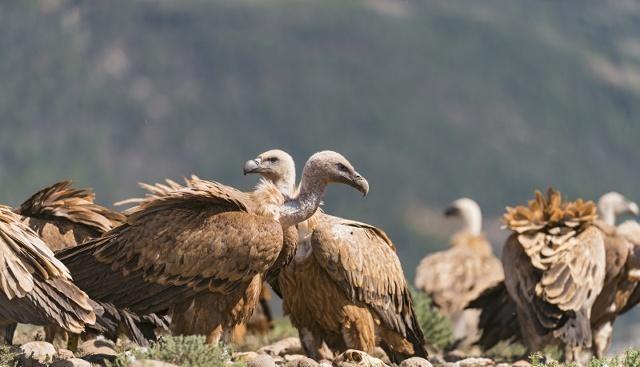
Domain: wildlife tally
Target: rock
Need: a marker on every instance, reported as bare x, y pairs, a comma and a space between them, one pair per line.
298, 360
244, 356
503, 365
381, 355
415, 362
473, 362
97, 350
64, 354
521, 363
356, 358
71, 362
285, 346
150, 363
326, 363
35, 354
262, 360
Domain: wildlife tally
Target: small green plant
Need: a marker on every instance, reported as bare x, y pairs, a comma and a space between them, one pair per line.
436, 326
189, 351
7, 357
630, 358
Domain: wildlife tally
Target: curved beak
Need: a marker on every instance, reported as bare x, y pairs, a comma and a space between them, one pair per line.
252, 166
451, 211
633, 208
360, 183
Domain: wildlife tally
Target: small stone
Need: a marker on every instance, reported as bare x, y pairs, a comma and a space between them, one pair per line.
415, 362
35, 354
521, 363
150, 363
262, 360
283, 347
475, 362
71, 362
97, 350
64, 354
244, 356
353, 358
298, 360
326, 363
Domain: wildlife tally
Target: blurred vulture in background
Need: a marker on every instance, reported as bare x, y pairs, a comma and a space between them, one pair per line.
554, 264
458, 275
345, 286
63, 217
619, 294
35, 287
203, 250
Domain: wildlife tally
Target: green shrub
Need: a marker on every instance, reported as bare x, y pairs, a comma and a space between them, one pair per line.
436, 326
630, 358
7, 357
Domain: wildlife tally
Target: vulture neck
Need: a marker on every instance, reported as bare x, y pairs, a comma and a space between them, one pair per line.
286, 183
299, 208
607, 214
472, 222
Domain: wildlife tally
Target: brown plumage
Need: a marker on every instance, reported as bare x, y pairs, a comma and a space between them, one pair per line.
35, 287
64, 216
458, 275
554, 265
345, 286
203, 246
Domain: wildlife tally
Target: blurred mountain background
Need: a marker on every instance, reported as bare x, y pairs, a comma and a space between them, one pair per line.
431, 100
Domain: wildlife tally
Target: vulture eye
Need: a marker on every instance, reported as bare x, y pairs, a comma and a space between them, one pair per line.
272, 159
342, 168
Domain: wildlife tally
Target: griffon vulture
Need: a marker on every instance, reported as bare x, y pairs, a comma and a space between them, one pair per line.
64, 216
554, 264
203, 246
620, 292
458, 275
35, 287
345, 286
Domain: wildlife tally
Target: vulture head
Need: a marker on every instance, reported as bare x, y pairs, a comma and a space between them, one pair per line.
613, 204
276, 166
331, 167
470, 213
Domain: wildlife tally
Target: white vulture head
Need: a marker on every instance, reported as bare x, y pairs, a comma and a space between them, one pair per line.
613, 204
276, 166
470, 213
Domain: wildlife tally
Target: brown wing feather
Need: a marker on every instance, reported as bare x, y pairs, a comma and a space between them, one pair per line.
362, 261
36, 287
189, 240
62, 201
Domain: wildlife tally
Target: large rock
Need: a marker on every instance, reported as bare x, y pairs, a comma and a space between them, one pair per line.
357, 358
283, 347
97, 350
71, 362
415, 362
262, 360
36, 354
150, 363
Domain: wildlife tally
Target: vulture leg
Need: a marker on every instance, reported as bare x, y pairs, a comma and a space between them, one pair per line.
358, 330
9, 332
602, 339
313, 346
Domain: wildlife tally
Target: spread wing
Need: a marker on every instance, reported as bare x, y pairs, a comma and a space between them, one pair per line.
362, 261
454, 277
194, 239
35, 287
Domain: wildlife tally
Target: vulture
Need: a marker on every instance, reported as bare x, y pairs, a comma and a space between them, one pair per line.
620, 292
35, 287
64, 216
202, 251
554, 264
454, 277
345, 287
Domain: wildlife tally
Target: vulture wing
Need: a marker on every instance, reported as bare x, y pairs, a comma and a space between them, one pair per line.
361, 259
454, 277
35, 287
555, 264
203, 237
631, 230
